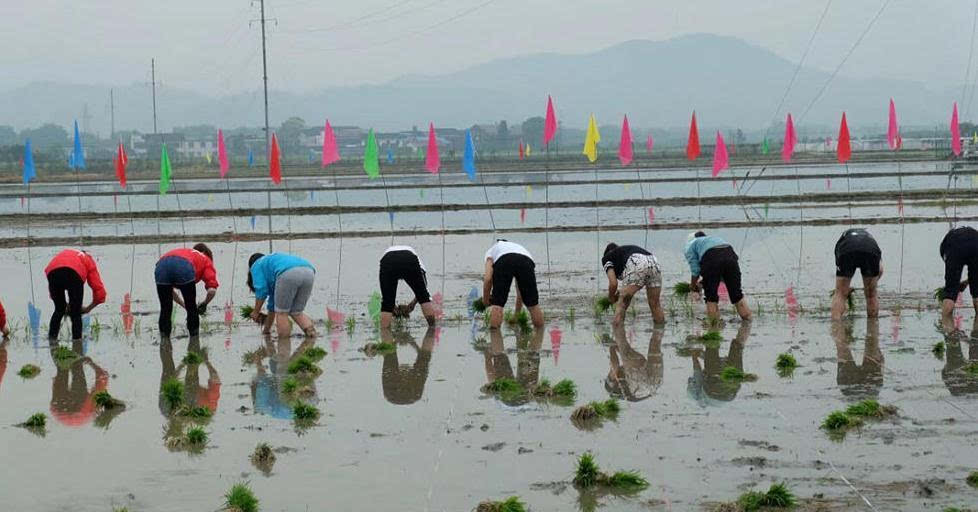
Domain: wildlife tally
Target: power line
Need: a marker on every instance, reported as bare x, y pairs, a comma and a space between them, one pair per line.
355, 21
971, 52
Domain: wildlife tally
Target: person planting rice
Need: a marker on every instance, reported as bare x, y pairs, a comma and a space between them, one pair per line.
635, 268
181, 270
506, 261
856, 248
959, 249
4, 330
67, 274
401, 262
713, 260
285, 282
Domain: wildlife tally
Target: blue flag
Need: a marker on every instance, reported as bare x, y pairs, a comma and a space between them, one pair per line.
77, 154
468, 161
390, 156
29, 172
251, 158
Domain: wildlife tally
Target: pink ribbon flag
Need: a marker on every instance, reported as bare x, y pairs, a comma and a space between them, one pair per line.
431, 161
790, 139
721, 160
892, 131
625, 146
649, 142
955, 132
222, 154
331, 151
550, 124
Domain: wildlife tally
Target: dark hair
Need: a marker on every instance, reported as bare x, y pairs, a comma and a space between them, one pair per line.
610, 247
251, 262
206, 251
699, 234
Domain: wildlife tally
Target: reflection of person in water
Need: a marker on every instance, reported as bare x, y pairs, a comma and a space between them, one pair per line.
266, 391
72, 402
3, 358
527, 361
404, 384
633, 376
195, 395
706, 386
858, 381
957, 381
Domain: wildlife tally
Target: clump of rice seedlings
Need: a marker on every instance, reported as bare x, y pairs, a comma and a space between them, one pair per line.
734, 374
172, 392
241, 499
601, 305
478, 305
37, 420
192, 358
564, 391
315, 353
252, 356
198, 413
29, 371
263, 458
196, 437
506, 388
971, 369
972, 479
103, 400
521, 319
682, 289
302, 411
777, 496
565, 388
293, 386
939, 294
247, 310
593, 413
64, 356
870, 409
351, 324
303, 365
588, 475
511, 504
938, 350
627, 480
750, 501
571, 313
785, 364
290, 385
587, 472
711, 335
487, 317
381, 347
839, 421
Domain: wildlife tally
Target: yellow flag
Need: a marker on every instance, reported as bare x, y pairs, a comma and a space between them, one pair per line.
208, 157
591, 140
527, 149
974, 139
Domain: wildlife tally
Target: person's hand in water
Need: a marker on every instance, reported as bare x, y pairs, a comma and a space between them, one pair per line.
202, 308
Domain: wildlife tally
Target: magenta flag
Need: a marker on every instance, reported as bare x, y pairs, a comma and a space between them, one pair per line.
431, 161
893, 131
790, 139
625, 146
331, 151
721, 160
955, 132
648, 144
651, 214
222, 154
550, 124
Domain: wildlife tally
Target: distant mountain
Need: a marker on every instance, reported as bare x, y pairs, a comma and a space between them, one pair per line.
730, 83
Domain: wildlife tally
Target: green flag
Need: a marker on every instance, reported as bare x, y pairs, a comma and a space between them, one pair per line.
165, 172
371, 155
764, 147
373, 307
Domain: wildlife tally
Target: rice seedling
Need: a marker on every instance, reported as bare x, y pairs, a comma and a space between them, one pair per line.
37, 420
478, 305
103, 400
588, 474
506, 388
601, 305
627, 480
682, 289
303, 365
751, 501
172, 392
192, 358
972, 479
351, 324
939, 294
971, 369
64, 356
953, 509
196, 437
571, 313
565, 388
381, 347
734, 374
563, 392
869, 409
520, 320
263, 458
839, 421
785, 364
252, 357
290, 385
938, 350
241, 499
315, 353
120, 509
247, 310
486, 317
302, 411
777, 496
511, 504
198, 413
590, 414
29, 371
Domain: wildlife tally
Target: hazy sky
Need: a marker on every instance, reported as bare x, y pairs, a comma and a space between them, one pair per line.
212, 46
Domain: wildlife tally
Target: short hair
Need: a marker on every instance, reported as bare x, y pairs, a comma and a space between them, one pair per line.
610, 247
251, 262
699, 234
206, 251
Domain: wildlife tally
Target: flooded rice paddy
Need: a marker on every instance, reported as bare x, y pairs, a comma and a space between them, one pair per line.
413, 429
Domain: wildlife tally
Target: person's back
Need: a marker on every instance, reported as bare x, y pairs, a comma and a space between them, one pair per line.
959, 249
856, 240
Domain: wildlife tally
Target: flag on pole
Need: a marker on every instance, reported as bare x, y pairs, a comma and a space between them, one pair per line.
222, 154
468, 159
765, 147
649, 142
251, 157
550, 123
29, 171
371, 156
331, 151
955, 132
275, 162
625, 154
77, 160
390, 156
844, 149
693, 144
121, 160
432, 162
528, 151
892, 131
165, 170
721, 160
591, 140
790, 139
522, 152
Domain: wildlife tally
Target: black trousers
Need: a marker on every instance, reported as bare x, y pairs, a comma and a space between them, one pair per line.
64, 282
397, 265
189, 293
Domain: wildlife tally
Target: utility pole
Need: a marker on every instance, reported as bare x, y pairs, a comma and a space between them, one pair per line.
152, 64
264, 68
111, 115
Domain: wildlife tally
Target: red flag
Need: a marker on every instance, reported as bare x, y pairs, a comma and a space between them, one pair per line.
522, 153
625, 154
693, 145
275, 163
844, 150
432, 162
790, 139
121, 161
222, 154
550, 124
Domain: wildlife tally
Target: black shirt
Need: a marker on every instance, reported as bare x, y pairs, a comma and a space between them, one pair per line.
961, 240
857, 240
617, 258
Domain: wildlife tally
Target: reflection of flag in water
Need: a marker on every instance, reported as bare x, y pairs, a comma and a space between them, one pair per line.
127, 316
335, 317
34, 317
438, 301
334, 342
722, 291
651, 214
228, 314
390, 156
791, 302
253, 220
473, 295
555, 338
522, 215
895, 326
251, 158
900, 205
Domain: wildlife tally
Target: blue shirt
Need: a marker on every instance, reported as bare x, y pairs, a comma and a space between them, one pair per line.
267, 269
697, 247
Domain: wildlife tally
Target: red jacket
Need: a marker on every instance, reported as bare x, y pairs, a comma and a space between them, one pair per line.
3, 317
203, 266
84, 265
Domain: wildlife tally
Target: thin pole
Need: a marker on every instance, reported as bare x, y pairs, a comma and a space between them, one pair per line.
264, 68
30, 266
488, 206
546, 219
902, 227
390, 214
441, 199
849, 192
339, 221
152, 64
597, 221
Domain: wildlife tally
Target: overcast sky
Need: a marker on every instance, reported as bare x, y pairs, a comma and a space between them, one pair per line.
212, 45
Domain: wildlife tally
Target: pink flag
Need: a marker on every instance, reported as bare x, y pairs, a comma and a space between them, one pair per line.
651, 214
335, 318
331, 151
648, 144
625, 146
722, 292
790, 139
955, 132
228, 314
431, 162
550, 124
721, 160
522, 215
892, 132
555, 337
222, 154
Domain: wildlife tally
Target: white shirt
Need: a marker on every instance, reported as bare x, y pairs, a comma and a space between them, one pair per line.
409, 249
502, 248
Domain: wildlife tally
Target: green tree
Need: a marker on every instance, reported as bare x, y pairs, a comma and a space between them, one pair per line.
46, 138
288, 134
8, 136
533, 130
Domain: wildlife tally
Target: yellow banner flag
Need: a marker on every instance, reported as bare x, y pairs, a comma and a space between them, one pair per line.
591, 140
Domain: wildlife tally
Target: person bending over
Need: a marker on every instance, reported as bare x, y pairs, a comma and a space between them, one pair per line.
400, 262
179, 271
713, 260
958, 250
67, 274
4, 330
635, 268
857, 249
506, 261
285, 281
